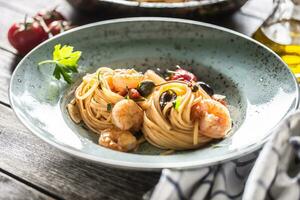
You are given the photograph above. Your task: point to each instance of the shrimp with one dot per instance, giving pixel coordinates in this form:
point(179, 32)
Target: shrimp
point(74, 112)
point(117, 140)
point(126, 79)
point(127, 115)
point(214, 118)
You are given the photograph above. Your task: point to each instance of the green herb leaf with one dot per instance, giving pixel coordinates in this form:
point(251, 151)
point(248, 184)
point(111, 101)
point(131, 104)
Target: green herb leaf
point(109, 107)
point(177, 103)
point(65, 61)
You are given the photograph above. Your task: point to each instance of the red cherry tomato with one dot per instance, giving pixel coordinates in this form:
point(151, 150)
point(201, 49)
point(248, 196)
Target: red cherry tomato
point(50, 16)
point(59, 26)
point(183, 75)
point(134, 94)
point(25, 36)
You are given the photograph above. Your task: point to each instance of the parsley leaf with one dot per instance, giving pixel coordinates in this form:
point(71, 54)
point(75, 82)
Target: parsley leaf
point(65, 61)
point(109, 107)
point(177, 103)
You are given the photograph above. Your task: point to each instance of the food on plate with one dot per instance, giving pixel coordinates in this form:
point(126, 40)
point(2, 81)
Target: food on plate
point(182, 75)
point(127, 115)
point(117, 139)
point(126, 107)
point(179, 118)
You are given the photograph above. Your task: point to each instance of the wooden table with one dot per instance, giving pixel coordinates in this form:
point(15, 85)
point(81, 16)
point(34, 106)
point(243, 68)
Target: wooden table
point(32, 169)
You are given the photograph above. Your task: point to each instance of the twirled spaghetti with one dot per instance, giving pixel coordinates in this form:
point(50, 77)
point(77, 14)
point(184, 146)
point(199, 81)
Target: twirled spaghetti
point(93, 97)
point(173, 115)
point(172, 128)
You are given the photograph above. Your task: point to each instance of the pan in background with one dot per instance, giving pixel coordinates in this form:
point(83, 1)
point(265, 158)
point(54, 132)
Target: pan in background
point(136, 8)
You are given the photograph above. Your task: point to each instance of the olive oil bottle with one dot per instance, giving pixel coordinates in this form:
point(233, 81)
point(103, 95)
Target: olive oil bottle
point(281, 33)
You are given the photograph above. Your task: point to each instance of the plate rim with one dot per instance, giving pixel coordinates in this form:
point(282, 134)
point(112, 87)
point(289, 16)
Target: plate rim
point(165, 5)
point(151, 166)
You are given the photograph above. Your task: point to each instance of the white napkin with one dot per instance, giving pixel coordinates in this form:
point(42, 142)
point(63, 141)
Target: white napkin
point(275, 174)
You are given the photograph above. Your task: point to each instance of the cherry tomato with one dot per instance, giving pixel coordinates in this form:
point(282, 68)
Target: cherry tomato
point(59, 26)
point(134, 94)
point(50, 16)
point(183, 75)
point(25, 36)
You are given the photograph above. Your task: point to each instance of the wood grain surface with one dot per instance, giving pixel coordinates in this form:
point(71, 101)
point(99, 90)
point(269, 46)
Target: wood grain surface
point(32, 169)
point(11, 189)
point(26, 156)
point(8, 61)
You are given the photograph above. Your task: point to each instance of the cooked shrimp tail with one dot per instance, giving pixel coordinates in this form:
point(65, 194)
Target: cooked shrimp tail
point(214, 118)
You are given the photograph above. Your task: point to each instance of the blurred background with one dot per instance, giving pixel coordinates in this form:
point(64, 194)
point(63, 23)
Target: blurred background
point(275, 23)
point(241, 15)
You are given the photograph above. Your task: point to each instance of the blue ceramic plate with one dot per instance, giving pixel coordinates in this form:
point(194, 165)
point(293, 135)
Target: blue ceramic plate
point(260, 88)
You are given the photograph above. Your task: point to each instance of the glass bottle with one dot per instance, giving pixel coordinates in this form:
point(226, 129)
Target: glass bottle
point(281, 33)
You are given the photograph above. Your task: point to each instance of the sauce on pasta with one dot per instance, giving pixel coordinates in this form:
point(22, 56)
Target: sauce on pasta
point(173, 113)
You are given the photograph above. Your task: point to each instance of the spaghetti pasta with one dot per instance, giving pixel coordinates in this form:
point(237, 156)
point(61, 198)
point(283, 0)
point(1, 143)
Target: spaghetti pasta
point(171, 128)
point(172, 116)
point(92, 100)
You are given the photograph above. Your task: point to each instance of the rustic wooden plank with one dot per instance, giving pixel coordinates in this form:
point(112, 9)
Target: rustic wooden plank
point(32, 7)
point(11, 189)
point(8, 62)
point(9, 17)
point(26, 156)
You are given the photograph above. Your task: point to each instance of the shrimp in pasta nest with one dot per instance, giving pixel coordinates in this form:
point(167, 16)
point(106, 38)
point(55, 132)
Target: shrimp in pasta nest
point(214, 118)
point(126, 79)
point(127, 115)
point(117, 139)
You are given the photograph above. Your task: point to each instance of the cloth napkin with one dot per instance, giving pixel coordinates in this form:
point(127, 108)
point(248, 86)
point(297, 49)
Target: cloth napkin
point(272, 173)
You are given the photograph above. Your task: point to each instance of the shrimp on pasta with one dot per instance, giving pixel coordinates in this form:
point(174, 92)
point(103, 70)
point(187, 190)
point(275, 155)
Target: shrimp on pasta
point(126, 107)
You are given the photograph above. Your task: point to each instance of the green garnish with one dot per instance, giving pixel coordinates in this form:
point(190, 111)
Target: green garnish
point(109, 107)
point(65, 61)
point(177, 103)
